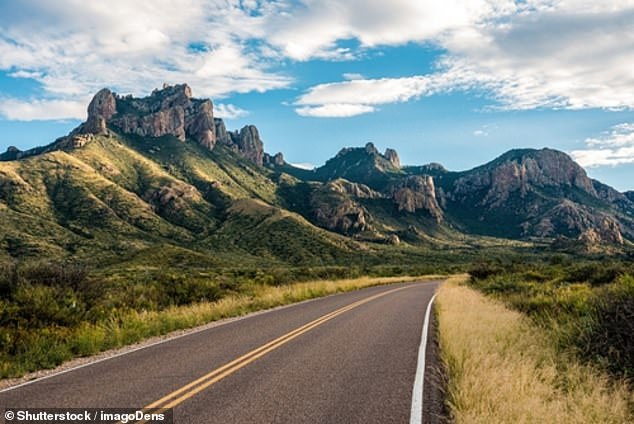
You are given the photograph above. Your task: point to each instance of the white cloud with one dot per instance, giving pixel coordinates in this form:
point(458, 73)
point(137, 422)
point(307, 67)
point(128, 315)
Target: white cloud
point(614, 147)
point(304, 165)
point(353, 76)
point(314, 28)
point(229, 111)
point(20, 110)
point(133, 47)
point(572, 54)
point(522, 54)
point(354, 97)
point(334, 110)
point(480, 133)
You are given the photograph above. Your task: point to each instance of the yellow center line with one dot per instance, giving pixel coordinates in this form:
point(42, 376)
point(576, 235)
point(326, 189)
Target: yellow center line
point(178, 396)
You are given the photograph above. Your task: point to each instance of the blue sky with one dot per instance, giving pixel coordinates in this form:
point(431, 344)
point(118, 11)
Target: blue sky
point(455, 82)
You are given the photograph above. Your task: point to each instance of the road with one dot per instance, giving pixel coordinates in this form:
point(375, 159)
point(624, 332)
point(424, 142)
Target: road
point(348, 358)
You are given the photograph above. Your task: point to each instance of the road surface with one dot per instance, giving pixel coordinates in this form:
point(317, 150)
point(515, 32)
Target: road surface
point(348, 358)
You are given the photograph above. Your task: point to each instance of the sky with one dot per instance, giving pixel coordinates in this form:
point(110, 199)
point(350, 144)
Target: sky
point(448, 81)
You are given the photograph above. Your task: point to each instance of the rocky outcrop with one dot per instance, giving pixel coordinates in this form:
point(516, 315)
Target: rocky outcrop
point(393, 239)
point(333, 206)
point(608, 234)
point(12, 153)
point(392, 157)
point(169, 111)
point(100, 110)
point(416, 193)
point(275, 160)
point(574, 220)
point(247, 142)
point(522, 171)
point(347, 188)
point(222, 136)
point(363, 165)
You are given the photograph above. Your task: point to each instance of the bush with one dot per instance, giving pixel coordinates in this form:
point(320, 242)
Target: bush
point(483, 270)
point(595, 273)
point(609, 339)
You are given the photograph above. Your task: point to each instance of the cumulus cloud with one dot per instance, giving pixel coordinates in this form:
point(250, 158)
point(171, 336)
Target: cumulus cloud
point(614, 147)
point(357, 96)
point(314, 28)
point(572, 54)
point(133, 47)
point(229, 111)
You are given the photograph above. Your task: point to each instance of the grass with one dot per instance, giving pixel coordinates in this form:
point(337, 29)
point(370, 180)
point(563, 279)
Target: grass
point(53, 345)
point(588, 307)
point(503, 368)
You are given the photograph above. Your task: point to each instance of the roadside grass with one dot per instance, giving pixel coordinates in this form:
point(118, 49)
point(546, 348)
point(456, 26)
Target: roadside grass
point(52, 346)
point(503, 368)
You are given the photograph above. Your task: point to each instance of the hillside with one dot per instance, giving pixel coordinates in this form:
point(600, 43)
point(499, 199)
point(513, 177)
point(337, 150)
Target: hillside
point(161, 180)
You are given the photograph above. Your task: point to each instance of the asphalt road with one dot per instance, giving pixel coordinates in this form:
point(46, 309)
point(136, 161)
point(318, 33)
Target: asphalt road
point(349, 358)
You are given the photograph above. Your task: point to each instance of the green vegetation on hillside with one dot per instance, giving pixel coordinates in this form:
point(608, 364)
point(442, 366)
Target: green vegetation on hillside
point(587, 306)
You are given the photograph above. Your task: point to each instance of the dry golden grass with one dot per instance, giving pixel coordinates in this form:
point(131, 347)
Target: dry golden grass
point(261, 297)
point(504, 369)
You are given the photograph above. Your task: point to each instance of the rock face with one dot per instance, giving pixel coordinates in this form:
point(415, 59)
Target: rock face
point(522, 172)
point(171, 111)
point(275, 160)
point(247, 142)
point(573, 220)
point(222, 136)
point(415, 193)
point(357, 190)
point(333, 206)
point(538, 193)
point(100, 110)
point(361, 164)
point(392, 157)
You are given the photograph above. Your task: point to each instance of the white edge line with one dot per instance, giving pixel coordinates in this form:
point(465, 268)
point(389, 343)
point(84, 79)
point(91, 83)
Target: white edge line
point(416, 414)
point(188, 332)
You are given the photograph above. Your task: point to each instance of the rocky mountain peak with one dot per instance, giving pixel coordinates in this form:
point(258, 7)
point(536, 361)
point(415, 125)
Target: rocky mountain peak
point(392, 157)
point(100, 110)
point(524, 171)
point(169, 111)
point(371, 149)
point(361, 164)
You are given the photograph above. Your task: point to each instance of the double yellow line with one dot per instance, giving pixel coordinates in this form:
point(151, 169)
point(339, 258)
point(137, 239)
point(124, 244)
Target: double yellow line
point(200, 384)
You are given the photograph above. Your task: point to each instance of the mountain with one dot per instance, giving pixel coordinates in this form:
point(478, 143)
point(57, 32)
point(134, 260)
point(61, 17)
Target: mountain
point(161, 180)
point(536, 193)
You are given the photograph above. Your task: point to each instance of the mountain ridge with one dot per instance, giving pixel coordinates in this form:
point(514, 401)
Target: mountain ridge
point(162, 170)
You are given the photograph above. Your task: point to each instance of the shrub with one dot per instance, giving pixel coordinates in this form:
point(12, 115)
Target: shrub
point(483, 270)
point(609, 338)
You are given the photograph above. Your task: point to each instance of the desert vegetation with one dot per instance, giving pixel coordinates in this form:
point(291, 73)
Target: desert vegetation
point(51, 312)
point(506, 367)
point(586, 306)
